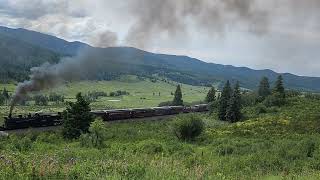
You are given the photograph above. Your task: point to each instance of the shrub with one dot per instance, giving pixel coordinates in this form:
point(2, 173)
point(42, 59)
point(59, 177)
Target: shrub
point(119, 93)
point(54, 97)
point(151, 147)
point(96, 136)
point(213, 106)
point(249, 99)
point(274, 100)
point(188, 127)
point(133, 171)
point(225, 149)
point(313, 96)
point(260, 109)
point(292, 93)
point(49, 137)
point(21, 144)
point(41, 100)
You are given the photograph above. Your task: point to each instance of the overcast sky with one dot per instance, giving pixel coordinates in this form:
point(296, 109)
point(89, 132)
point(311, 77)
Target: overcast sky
point(283, 35)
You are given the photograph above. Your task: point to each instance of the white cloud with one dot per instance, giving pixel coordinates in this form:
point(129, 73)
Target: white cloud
point(286, 38)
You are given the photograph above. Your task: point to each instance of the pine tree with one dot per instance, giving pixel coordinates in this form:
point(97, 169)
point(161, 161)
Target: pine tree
point(76, 118)
point(5, 95)
point(233, 113)
point(279, 88)
point(264, 88)
point(177, 100)
point(223, 101)
point(211, 96)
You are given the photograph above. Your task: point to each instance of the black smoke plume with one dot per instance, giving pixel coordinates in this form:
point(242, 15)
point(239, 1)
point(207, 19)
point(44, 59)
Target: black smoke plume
point(85, 64)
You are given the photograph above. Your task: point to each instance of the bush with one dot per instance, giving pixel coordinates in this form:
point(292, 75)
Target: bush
point(313, 96)
point(260, 109)
point(274, 100)
point(188, 127)
point(96, 136)
point(41, 100)
point(21, 144)
point(119, 93)
point(150, 147)
point(249, 99)
point(292, 93)
point(213, 106)
point(54, 97)
point(225, 149)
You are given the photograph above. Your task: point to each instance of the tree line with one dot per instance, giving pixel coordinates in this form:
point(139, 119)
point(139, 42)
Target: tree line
point(77, 116)
point(232, 99)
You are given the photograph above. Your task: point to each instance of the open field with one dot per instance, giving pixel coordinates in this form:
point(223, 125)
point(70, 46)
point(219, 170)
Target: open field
point(143, 93)
point(283, 144)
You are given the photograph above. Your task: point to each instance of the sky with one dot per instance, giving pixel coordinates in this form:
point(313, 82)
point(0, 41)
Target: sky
point(282, 35)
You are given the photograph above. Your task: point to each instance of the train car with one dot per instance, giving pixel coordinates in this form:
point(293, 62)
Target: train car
point(118, 114)
point(200, 108)
point(162, 111)
point(187, 109)
point(100, 113)
point(176, 109)
point(142, 112)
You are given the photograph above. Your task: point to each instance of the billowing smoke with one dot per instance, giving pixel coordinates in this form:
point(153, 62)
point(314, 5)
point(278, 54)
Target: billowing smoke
point(86, 64)
point(215, 16)
point(104, 39)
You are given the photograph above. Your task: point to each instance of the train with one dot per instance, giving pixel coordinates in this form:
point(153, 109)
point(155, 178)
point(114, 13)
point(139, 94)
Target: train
point(55, 119)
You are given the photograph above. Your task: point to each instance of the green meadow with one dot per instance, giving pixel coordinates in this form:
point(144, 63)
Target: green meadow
point(283, 143)
point(142, 93)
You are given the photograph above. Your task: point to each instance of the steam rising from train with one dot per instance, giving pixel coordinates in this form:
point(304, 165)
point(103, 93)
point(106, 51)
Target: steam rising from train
point(69, 69)
point(172, 18)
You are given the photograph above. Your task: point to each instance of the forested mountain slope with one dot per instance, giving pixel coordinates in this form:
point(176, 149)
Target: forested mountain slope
point(21, 49)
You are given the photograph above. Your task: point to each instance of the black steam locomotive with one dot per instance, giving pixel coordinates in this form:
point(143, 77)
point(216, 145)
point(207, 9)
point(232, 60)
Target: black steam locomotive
point(55, 119)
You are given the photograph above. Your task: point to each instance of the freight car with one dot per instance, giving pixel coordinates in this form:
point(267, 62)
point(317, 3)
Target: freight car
point(55, 119)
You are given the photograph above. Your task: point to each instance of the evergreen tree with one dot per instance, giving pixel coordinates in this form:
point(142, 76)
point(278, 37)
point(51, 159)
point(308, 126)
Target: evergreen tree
point(233, 113)
point(264, 88)
point(177, 100)
point(223, 101)
point(2, 99)
point(211, 96)
point(279, 88)
point(5, 93)
point(77, 118)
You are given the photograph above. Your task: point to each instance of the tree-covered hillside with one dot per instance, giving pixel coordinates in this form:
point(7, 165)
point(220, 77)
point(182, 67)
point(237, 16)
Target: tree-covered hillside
point(117, 61)
point(17, 57)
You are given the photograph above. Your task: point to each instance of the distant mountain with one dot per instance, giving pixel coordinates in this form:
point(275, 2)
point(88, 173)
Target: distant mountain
point(21, 47)
point(17, 57)
point(43, 40)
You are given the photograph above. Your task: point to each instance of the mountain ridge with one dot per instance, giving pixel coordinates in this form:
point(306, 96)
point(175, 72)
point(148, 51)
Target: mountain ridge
point(182, 69)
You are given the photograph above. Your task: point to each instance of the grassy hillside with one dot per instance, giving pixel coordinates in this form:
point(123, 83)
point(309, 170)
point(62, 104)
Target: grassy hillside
point(279, 145)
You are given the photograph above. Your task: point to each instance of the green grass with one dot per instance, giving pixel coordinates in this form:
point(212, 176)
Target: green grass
point(278, 145)
point(141, 94)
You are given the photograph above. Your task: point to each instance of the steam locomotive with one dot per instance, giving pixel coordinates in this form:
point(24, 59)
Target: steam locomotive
point(55, 119)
